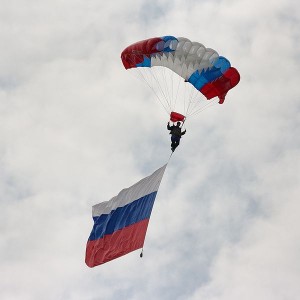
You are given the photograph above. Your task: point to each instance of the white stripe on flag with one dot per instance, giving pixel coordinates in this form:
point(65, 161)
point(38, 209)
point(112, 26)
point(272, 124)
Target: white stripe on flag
point(142, 188)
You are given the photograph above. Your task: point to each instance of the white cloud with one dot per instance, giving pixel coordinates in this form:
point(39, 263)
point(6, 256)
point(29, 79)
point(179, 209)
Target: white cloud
point(76, 128)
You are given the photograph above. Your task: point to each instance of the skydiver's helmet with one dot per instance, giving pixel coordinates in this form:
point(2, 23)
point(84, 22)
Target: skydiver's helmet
point(178, 124)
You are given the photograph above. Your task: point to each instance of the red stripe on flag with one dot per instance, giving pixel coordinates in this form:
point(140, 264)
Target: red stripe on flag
point(117, 244)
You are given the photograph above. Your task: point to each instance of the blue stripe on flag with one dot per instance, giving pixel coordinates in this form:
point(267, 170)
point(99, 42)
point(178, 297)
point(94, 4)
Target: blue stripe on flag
point(121, 217)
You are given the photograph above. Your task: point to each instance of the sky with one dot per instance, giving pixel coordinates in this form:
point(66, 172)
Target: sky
point(76, 128)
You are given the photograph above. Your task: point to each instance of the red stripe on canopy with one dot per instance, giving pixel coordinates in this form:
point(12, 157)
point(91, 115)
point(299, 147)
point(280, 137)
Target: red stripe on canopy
point(134, 54)
point(221, 85)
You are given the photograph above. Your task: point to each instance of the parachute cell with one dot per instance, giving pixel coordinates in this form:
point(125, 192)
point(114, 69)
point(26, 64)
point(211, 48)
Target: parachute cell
point(221, 85)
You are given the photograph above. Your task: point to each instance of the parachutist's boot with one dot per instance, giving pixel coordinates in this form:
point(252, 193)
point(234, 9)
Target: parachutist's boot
point(173, 147)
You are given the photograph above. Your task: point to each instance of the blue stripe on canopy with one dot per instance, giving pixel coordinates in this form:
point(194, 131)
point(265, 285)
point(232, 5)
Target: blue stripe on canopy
point(199, 79)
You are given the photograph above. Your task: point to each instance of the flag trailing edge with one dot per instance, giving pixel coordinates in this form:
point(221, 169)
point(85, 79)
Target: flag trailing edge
point(120, 224)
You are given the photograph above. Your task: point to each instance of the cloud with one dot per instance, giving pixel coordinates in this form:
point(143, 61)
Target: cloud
point(76, 128)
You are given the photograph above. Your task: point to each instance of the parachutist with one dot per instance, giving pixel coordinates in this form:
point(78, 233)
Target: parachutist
point(176, 135)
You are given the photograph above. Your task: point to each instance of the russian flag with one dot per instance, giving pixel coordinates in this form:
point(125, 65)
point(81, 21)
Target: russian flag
point(120, 224)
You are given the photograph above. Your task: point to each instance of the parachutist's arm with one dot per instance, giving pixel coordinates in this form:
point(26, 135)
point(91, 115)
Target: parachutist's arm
point(168, 126)
point(183, 132)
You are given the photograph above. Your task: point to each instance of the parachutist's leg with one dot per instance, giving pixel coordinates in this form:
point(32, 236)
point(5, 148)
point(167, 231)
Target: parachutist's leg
point(173, 144)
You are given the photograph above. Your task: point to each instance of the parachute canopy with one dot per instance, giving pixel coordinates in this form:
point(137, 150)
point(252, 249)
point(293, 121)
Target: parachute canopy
point(199, 66)
point(120, 224)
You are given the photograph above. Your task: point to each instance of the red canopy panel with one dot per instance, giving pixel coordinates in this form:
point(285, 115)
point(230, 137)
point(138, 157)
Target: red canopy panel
point(134, 54)
point(221, 85)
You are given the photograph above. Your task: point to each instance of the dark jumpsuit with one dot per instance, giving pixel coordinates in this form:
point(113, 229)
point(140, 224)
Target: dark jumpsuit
point(176, 134)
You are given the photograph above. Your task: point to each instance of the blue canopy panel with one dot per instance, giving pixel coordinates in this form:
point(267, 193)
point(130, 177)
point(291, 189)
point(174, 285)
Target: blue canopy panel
point(145, 63)
point(199, 79)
